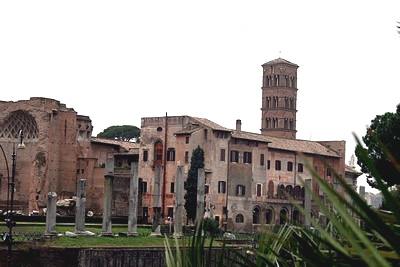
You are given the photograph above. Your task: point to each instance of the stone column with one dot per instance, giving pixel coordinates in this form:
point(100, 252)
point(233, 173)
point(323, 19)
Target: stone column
point(179, 190)
point(157, 202)
point(80, 207)
point(307, 203)
point(200, 194)
point(51, 214)
point(133, 200)
point(108, 189)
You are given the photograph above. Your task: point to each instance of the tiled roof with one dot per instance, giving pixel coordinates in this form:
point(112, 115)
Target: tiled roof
point(303, 146)
point(211, 124)
point(279, 60)
point(125, 145)
point(250, 136)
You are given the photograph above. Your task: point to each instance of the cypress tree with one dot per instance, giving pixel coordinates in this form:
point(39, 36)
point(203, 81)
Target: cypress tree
point(196, 162)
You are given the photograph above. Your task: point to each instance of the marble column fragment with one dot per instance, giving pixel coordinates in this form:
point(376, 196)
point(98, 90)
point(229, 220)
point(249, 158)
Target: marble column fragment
point(157, 202)
point(51, 214)
point(200, 194)
point(307, 204)
point(80, 210)
point(178, 219)
point(108, 189)
point(133, 200)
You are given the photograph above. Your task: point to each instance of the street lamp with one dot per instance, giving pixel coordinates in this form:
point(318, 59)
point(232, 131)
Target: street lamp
point(7, 237)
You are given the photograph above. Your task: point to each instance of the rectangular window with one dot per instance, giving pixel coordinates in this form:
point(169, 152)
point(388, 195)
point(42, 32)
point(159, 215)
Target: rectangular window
point(144, 187)
point(234, 156)
point(240, 190)
point(186, 156)
point(171, 154)
point(300, 167)
point(206, 189)
point(290, 166)
point(145, 155)
point(222, 154)
point(247, 157)
point(171, 212)
point(172, 187)
point(145, 212)
point(277, 165)
point(187, 140)
point(328, 172)
point(268, 164)
point(221, 187)
point(259, 190)
point(262, 160)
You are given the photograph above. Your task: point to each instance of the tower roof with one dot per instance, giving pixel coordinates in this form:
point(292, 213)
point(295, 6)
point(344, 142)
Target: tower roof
point(280, 60)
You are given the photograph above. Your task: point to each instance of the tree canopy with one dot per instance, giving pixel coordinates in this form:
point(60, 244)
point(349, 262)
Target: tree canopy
point(122, 133)
point(384, 133)
point(196, 162)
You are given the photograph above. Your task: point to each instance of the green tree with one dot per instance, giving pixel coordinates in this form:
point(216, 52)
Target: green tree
point(196, 162)
point(384, 132)
point(122, 133)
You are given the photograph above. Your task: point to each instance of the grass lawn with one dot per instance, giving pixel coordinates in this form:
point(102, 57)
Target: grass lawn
point(37, 229)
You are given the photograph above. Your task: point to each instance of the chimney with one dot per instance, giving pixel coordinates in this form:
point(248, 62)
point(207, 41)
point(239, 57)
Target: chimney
point(238, 125)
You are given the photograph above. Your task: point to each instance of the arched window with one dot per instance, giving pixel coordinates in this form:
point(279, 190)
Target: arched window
point(269, 216)
point(158, 153)
point(239, 218)
point(289, 190)
point(297, 191)
point(270, 188)
point(296, 217)
point(283, 216)
point(281, 190)
point(256, 215)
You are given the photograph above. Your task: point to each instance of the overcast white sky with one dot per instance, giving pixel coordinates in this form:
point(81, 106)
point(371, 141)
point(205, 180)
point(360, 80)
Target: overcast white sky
point(118, 61)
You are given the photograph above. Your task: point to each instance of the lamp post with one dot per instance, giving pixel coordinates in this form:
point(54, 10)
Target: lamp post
point(10, 200)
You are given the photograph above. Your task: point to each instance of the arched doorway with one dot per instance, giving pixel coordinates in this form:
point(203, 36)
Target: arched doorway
point(283, 216)
point(296, 217)
point(256, 215)
point(269, 216)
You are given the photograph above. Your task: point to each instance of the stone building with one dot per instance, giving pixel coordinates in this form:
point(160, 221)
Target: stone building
point(249, 177)
point(59, 150)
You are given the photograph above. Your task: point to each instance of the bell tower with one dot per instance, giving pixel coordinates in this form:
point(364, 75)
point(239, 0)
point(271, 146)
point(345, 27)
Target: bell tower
point(279, 96)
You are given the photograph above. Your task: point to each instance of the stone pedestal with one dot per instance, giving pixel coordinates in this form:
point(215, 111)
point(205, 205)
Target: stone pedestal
point(80, 207)
point(178, 214)
point(133, 200)
point(200, 195)
point(108, 189)
point(157, 202)
point(51, 215)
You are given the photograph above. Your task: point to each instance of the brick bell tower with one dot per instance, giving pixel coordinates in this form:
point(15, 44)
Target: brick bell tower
point(279, 95)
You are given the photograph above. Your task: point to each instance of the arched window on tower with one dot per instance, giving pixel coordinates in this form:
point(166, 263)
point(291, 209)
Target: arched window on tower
point(268, 123)
point(286, 102)
point(276, 80)
point(268, 102)
point(286, 123)
point(291, 82)
point(286, 80)
point(269, 81)
point(291, 104)
point(158, 153)
point(275, 101)
point(291, 127)
point(275, 123)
